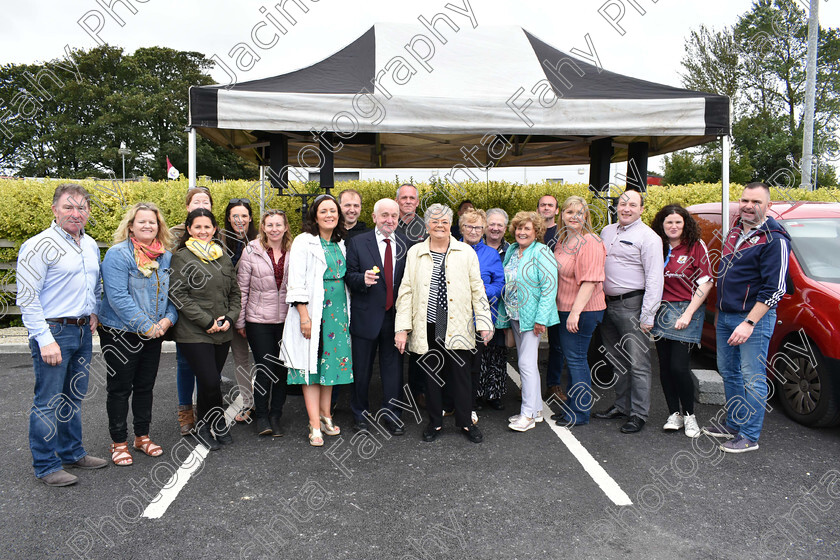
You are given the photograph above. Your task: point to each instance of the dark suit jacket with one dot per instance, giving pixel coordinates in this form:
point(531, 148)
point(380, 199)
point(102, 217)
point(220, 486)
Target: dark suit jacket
point(367, 303)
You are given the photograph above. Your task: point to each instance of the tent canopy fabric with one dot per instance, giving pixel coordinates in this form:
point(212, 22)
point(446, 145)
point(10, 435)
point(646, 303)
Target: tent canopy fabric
point(408, 95)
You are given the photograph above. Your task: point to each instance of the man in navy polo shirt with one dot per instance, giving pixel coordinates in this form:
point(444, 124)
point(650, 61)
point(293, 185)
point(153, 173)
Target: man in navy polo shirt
point(751, 281)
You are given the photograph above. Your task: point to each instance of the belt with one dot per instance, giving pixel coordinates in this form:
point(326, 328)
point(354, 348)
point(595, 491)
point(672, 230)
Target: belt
point(634, 293)
point(78, 321)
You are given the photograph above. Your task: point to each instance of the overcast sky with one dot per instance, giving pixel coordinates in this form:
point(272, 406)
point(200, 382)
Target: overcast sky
point(648, 46)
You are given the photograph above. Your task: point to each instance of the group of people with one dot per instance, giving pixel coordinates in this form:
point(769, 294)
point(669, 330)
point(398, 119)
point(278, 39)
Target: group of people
point(316, 308)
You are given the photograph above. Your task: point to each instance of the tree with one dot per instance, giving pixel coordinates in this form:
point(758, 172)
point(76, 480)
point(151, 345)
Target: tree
point(70, 119)
point(759, 62)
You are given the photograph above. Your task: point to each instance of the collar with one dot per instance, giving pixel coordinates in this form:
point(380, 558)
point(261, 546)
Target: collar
point(60, 230)
point(380, 237)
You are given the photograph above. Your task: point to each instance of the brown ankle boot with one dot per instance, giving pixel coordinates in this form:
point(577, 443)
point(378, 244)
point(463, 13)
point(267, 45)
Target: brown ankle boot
point(186, 419)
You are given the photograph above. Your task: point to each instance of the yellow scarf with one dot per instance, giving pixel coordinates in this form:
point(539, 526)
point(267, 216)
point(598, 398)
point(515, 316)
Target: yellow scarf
point(205, 251)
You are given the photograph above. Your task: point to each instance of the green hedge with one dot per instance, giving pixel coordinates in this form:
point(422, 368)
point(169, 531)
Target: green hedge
point(26, 203)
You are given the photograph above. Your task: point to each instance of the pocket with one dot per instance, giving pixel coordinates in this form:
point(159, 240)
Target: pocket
point(56, 328)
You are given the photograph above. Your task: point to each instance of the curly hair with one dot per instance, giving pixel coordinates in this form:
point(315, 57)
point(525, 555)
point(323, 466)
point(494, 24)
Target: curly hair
point(690, 233)
point(533, 217)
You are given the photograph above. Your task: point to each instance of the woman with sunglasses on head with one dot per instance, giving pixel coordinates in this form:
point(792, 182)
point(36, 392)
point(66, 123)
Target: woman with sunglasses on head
point(679, 321)
point(198, 197)
point(239, 231)
point(316, 339)
point(134, 316)
point(205, 291)
point(262, 274)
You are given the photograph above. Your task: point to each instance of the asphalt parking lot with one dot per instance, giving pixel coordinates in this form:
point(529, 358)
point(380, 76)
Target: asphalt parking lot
point(515, 496)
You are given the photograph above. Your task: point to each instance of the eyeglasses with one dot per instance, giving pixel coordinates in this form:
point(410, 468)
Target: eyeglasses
point(472, 228)
point(240, 201)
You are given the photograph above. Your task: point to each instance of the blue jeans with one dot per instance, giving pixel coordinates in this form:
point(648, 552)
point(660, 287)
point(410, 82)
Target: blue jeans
point(744, 372)
point(55, 420)
point(184, 377)
point(575, 347)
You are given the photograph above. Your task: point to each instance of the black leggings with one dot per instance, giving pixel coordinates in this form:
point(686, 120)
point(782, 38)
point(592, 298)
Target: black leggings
point(207, 361)
point(675, 375)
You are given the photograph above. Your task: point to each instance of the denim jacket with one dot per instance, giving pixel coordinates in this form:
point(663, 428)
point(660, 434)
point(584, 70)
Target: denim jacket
point(130, 301)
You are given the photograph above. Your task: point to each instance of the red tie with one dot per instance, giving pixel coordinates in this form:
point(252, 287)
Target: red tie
point(389, 276)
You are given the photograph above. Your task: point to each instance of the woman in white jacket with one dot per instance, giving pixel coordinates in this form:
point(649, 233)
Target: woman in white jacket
point(316, 340)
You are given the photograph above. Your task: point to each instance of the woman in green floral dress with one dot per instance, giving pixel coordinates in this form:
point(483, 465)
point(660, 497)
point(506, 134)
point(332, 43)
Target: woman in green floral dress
point(316, 341)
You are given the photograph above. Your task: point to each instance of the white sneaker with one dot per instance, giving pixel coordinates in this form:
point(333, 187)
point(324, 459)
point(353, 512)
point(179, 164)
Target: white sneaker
point(692, 430)
point(675, 422)
point(514, 418)
point(522, 424)
point(539, 417)
point(474, 417)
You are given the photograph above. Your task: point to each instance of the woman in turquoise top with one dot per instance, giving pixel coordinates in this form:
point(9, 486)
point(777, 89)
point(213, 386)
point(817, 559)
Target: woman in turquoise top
point(316, 339)
point(528, 307)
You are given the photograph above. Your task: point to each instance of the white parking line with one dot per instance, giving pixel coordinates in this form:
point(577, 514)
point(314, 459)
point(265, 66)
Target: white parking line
point(195, 460)
point(604, 481)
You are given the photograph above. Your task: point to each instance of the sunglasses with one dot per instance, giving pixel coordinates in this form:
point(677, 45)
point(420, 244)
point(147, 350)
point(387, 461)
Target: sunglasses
point(240, 201)
point(274, 213)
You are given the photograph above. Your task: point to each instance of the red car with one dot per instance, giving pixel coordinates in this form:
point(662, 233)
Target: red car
point(804, 355)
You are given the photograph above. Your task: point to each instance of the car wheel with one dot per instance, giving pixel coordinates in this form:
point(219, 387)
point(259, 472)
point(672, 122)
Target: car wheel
point(807, 394)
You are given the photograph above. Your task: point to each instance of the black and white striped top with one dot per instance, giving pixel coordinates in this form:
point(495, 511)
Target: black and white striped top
point(435, 288)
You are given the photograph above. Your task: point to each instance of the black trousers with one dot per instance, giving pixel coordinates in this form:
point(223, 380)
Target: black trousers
point(475, 376)
point(390, 368)
point(450, 368)
point(207, 361)
point(270, 374)
point(132, 363)
point(675, 375)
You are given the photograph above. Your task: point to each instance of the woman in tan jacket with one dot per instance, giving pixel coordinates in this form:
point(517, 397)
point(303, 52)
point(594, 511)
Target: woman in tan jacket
point(440, 306)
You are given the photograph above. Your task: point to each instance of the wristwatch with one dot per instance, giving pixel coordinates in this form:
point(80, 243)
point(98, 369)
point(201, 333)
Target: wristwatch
point(750, 322)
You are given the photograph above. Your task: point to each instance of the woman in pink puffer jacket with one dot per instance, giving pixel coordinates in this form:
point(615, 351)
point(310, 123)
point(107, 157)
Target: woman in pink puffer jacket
point(262, 272)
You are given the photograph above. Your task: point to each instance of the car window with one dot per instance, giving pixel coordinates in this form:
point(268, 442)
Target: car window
point(816, 244)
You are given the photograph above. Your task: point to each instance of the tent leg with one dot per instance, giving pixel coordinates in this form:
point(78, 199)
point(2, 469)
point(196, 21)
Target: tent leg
point(191, 149)
point(327, 162)
point(278, 158)
point(637, 166)
point(600, 154)
point(724, 205)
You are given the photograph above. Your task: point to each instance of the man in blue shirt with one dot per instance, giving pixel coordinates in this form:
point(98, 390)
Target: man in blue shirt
point(58, 294)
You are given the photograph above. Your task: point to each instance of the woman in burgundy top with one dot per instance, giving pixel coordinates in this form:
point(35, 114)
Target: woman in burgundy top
point(262, 276)
point(679, 321)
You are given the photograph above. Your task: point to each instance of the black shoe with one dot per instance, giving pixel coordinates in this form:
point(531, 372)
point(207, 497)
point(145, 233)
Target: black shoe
point(361, 426)
point(558, 417)
point(276, 428)
point(431, 433)
point(635, 424)
point(206, 438)
point(473, 433)
point(394, 428)
point(263, 427)
point(610, 414)
point(496, 404)
point(224, 437)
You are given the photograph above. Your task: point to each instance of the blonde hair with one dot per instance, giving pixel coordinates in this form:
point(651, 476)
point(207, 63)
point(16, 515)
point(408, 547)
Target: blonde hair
point(286, 242)
point(533, 217)
point(122, 233)
point(472, 215)
point(574, 200)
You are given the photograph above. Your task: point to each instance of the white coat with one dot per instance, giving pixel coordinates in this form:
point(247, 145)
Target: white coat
point(305, 284)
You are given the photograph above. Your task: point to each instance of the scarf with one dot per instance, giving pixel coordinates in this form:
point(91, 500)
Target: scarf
point(146, 255)
point(206, 252)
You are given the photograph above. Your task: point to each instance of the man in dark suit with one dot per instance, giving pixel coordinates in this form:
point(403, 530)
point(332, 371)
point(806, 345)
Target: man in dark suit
point(375, 267)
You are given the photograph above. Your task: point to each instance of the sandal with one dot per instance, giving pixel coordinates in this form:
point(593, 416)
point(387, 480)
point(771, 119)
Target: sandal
point(315, 437)
point(244, 416)
point(147, 446)
point(328, 427)
point(120, 455)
